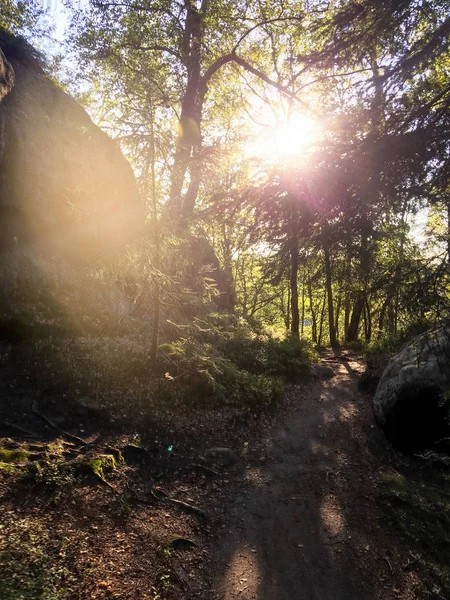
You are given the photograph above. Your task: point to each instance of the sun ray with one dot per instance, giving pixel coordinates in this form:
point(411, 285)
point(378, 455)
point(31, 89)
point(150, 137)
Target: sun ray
point(286, 142)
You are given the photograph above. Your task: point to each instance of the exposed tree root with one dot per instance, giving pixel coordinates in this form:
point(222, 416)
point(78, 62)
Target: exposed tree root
point(66, 434)
point(18, 428)
point(189, 508)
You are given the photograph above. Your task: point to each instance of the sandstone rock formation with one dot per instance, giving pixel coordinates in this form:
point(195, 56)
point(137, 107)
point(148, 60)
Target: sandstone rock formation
point(412, 399)
point(68, 198)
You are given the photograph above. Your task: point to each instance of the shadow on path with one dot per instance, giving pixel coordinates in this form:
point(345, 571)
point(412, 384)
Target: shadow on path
point(302, 524)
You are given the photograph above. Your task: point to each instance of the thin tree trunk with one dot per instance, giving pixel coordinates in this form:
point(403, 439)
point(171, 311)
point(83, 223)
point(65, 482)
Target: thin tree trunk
point(288, 309)
point(228, 268)
point(157, 299)
point(347, 301)
point(313, 312)
point(448, 231)
point(347, 308)
point(295, 323)
point(338, 312)
point(397, 272)
point(322, 315)
point(303, 306)
point(382, 316)
point(391, 318)
point(329, 288)
point(368, 322)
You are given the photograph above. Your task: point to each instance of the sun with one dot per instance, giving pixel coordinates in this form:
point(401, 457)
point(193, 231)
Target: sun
point(286, 142)
point(294, 137)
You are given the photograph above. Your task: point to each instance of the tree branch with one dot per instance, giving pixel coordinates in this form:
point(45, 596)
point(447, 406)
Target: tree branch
point(232, 57)
point(281, 88)
point(156, 47)
point(261, 24)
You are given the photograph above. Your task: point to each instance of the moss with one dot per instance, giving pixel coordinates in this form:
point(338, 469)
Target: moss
point(55, 447)
point(13, 456)
point(395, 480)
point(6, 467)
point(100, 464)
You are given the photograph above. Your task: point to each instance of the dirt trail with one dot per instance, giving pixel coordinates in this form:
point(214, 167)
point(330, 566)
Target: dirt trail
point(302, 521)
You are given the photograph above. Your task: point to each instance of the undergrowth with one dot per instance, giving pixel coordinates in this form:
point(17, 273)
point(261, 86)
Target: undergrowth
point(380, 351)
point(36, 559)
point(420, 510)
point(221, 360)
point(212, 362)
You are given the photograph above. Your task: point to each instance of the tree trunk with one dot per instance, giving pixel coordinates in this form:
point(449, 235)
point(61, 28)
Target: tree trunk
point(347, 308)
point(295, 322)
point(448, 231)
point(353, 328)
point(367, 322)
point(338, 312)
point(391, 318)
point(329, 288)
point(366, 222)
point(288, 308)
point(322, 315)
point(228, 267)
point(382, 316)
point(313, 312)
point(360, 300)
point(154, 204)
point(347, 300)
point(303, 306)
point(189, 134)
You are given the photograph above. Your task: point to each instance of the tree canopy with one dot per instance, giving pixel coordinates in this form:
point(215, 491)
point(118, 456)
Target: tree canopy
point(297, 143)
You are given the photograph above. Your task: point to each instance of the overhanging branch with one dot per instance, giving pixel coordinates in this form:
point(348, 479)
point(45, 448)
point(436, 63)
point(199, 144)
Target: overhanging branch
point(232, 57)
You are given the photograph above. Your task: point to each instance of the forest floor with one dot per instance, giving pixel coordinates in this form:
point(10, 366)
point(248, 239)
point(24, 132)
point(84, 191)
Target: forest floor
point(301, 514)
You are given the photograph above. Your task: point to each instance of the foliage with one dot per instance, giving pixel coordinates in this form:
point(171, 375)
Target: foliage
point(226, 361)
point(20, 17)
point(420, 511)
point(378, 352)
point(199, 373)
point(240, 249)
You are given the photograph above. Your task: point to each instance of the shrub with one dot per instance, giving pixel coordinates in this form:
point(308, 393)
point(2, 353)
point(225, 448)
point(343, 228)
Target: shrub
point(290, 358)
point(379, 352)
point(198, 372)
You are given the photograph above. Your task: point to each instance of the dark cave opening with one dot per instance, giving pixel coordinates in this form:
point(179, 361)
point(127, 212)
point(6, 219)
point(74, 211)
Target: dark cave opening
point(420, 419)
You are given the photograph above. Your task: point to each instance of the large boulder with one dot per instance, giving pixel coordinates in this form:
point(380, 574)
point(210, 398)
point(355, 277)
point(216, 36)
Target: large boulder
point(412, 399)
point(6, 75)
point(68, 197)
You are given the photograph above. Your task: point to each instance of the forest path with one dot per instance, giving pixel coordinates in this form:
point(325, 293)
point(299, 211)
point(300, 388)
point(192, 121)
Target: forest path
point(302, 521)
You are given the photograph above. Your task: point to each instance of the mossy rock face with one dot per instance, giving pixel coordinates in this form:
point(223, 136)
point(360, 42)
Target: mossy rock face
point(411, 403)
